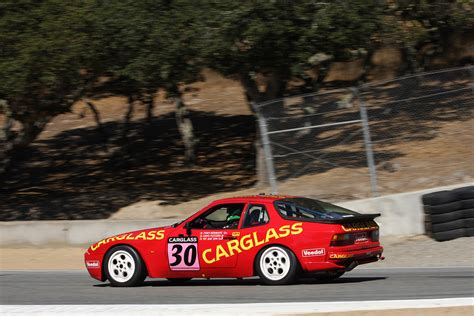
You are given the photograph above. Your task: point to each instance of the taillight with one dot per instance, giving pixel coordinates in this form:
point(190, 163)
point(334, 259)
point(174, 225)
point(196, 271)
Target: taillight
point(375, 235)
point(342, 240)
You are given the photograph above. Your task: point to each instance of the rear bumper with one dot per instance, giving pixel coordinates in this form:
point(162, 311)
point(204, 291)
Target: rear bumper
point(345, 260)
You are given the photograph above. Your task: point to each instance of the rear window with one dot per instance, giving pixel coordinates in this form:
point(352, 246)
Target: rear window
point(304, 208)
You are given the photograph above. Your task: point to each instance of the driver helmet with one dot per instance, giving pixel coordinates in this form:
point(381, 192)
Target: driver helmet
point(234, 215)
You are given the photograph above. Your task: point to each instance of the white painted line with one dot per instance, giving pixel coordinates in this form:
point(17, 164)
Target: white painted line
point(231, 309)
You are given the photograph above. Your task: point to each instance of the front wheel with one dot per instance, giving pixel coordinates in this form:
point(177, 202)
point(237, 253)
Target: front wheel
point(124, 267)
point(276, 265)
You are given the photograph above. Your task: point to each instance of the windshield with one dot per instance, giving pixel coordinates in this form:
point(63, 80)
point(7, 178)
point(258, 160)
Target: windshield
point(311, 209)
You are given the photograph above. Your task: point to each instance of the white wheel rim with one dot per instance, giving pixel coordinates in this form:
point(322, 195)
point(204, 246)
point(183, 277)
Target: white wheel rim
point(121, 266)
point(275, 263)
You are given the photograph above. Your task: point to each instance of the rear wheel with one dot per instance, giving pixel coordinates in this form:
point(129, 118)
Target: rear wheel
point(124, 267)
point(276, 265)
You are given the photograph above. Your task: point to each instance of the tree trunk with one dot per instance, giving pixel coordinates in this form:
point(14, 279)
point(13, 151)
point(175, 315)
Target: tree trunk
point(128, 117)
point(5, 136)
point(98, 122)
point(150, 104)
point(185, 127)
point(276, 86)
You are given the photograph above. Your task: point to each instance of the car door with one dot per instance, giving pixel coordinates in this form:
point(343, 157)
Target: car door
point(207, 241)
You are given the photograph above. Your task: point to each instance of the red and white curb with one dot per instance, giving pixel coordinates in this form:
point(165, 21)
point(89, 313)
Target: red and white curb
point(232, 309)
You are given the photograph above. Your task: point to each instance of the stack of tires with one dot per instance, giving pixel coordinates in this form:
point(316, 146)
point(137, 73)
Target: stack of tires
point(449, 214)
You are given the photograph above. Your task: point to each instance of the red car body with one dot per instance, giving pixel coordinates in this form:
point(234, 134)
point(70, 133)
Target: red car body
point(182, 252)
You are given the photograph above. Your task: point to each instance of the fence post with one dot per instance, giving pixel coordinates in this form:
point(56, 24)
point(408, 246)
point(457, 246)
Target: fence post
point(267, 150)
point(368, 142)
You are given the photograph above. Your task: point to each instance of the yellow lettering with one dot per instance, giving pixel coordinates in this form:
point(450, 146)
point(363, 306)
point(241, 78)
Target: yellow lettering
point(233, 245)
point(296, 228)
point(121, 237)
point(94, 247)
point(220, 252)
point(271, 233)
point(204, 257)
point(110, 239)
point(257, 242)
point(246, 242)
point(129, 237)
point(142, 235)
point(160, 234)
point(151, 235)
point(284, 230)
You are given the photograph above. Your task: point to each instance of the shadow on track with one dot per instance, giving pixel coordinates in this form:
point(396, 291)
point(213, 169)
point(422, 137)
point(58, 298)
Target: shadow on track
point(246, 282)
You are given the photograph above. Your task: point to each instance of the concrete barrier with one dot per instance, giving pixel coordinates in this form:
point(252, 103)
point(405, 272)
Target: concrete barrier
point(402, 215)
point(80, 232)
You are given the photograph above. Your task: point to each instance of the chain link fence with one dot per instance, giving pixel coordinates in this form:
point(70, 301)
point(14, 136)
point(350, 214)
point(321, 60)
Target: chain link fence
point(394, 136)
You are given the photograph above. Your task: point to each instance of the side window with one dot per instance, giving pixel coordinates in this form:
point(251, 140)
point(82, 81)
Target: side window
point(256, 215)
point(223, 216)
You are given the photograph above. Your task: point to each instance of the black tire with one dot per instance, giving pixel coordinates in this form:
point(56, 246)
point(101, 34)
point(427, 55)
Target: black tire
point(448, 217)
point(470, 232)
point(428, 226)
point(133, 270)
point(443, 208)
point(179, 280)
point(465, 193)
point(271, 263)
point(441, 197)
point(449, 235)
point(328, 276)
point(467, 204)
point(460, 223)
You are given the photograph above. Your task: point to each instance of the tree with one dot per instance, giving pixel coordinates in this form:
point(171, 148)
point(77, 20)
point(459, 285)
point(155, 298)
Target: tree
point(43, 53)
point(280, 40)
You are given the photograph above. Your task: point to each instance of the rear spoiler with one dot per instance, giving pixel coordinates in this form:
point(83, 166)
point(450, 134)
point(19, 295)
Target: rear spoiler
point(355, 218)
point(350, 219)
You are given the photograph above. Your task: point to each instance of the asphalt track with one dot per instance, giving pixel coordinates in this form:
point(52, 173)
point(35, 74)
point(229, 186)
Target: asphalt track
point(59, 287)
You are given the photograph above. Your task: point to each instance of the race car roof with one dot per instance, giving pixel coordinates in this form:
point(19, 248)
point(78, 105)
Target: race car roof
point(260, 197)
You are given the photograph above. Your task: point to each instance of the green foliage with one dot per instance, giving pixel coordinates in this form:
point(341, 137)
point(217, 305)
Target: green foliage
point(260, 36)
point(43, 47)
point(52, 52)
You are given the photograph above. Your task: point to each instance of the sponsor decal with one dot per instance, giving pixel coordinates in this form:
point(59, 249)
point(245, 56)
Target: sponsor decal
point(213, 235)
point(249, 241)
point(92, 263)
point(183, 253)
point(315, 252)
point(235, 234)
point(360, 226)
point(150, 235)
point(339, 256)
point(361, 238)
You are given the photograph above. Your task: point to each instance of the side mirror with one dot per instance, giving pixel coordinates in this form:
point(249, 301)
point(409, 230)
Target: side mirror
point(188, 228)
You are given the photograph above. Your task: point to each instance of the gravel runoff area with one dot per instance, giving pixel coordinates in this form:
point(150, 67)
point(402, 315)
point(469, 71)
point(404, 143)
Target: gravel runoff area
point(416, 251)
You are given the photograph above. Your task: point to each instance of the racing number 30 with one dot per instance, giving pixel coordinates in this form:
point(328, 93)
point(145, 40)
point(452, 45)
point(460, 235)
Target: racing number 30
point(182, 254)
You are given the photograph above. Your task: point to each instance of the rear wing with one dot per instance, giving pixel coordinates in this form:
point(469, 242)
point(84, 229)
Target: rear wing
point(353, 218)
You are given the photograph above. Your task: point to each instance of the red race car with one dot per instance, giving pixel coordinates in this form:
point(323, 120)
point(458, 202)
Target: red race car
point(274, 237)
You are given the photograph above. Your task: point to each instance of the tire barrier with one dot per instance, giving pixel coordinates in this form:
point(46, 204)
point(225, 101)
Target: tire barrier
point(449, 214)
